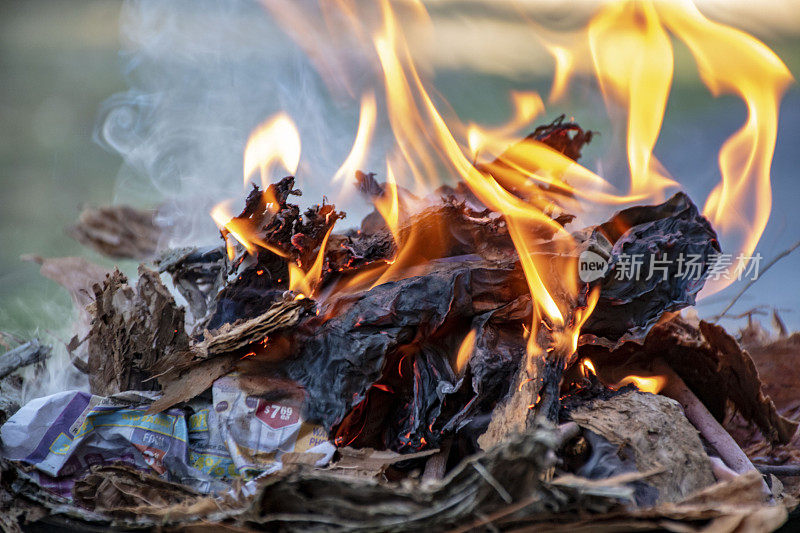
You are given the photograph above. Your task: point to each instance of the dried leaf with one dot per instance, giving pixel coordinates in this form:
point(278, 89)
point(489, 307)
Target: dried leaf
point(746, 389)
point(366, 462)
point(231, 337)
point(777, 366)
point(119, 231)
point(656, 430)
point(120, 487)
point(131, 331)
point(711, 363)
point(183, 383)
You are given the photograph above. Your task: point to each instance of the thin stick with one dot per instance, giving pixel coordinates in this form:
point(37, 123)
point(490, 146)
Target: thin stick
point(750, 283)
point(780, 470)
point(503, 512)
point(567, 432)
point(27, 354)
point(437, 463)
point(704, 421)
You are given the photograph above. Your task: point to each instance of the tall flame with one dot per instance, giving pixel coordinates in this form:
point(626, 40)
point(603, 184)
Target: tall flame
point(388, 205)
point(305, 283)
point(731, 61)
point(565, 62)
point(366, 125)
point(633, 62)
point(275, 141)
point(628, 44)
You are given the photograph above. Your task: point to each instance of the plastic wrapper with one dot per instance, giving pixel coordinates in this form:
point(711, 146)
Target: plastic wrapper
point(64, 435)
point(257, 431)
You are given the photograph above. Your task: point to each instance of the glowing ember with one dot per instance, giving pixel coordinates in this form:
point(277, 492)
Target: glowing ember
point(587, 368)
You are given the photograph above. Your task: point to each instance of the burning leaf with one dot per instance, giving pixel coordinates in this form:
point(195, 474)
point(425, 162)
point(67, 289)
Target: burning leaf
point(366, 335)
point(711, 363)
point(659, 237)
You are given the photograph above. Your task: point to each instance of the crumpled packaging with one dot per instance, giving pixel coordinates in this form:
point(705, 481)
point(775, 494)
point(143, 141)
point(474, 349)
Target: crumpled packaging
point(258, 431)
point(240, 436)
point(63, 435)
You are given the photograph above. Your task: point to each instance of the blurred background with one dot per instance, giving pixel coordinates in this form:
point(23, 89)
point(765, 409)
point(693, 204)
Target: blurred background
point(192, 78)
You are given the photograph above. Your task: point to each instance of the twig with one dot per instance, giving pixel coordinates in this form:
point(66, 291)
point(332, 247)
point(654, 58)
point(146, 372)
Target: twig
point(502, 513)
point(490, 479)
point(26, 354)
point(567, 431)
point(750, 283)
point(779, 470)
point(437, 463)
point(704, 421)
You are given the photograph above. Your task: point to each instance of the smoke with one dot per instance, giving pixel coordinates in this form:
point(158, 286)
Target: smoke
point(202, 75)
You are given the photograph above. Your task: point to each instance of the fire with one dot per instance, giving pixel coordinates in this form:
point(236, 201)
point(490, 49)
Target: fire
point(366, 126)
point(389, 205)
point(231, 227)
point(305, 283)
point(274, 141)
point(587, 368)
point(222, 216)
point(582, 314)
point(633, 63)
point(465, 351)
point(527, 106)
point(565, 61)
point(629, 48)
point(651, 384)
point(731, 61)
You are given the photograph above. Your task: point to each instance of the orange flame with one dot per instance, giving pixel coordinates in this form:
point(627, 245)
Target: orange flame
point(651, 384)
point(388, 205)
point(222, 216)
point(587, 368)
point(633, 62)
point(366, 125)
point(276, 140)
point(305, 283)
point(582, 314)
point(565, 61)
point(631, 55)
point(731, 61)
point(465, 351)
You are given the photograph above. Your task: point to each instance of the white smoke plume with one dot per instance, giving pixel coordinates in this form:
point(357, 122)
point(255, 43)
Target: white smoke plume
point(202, 75)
